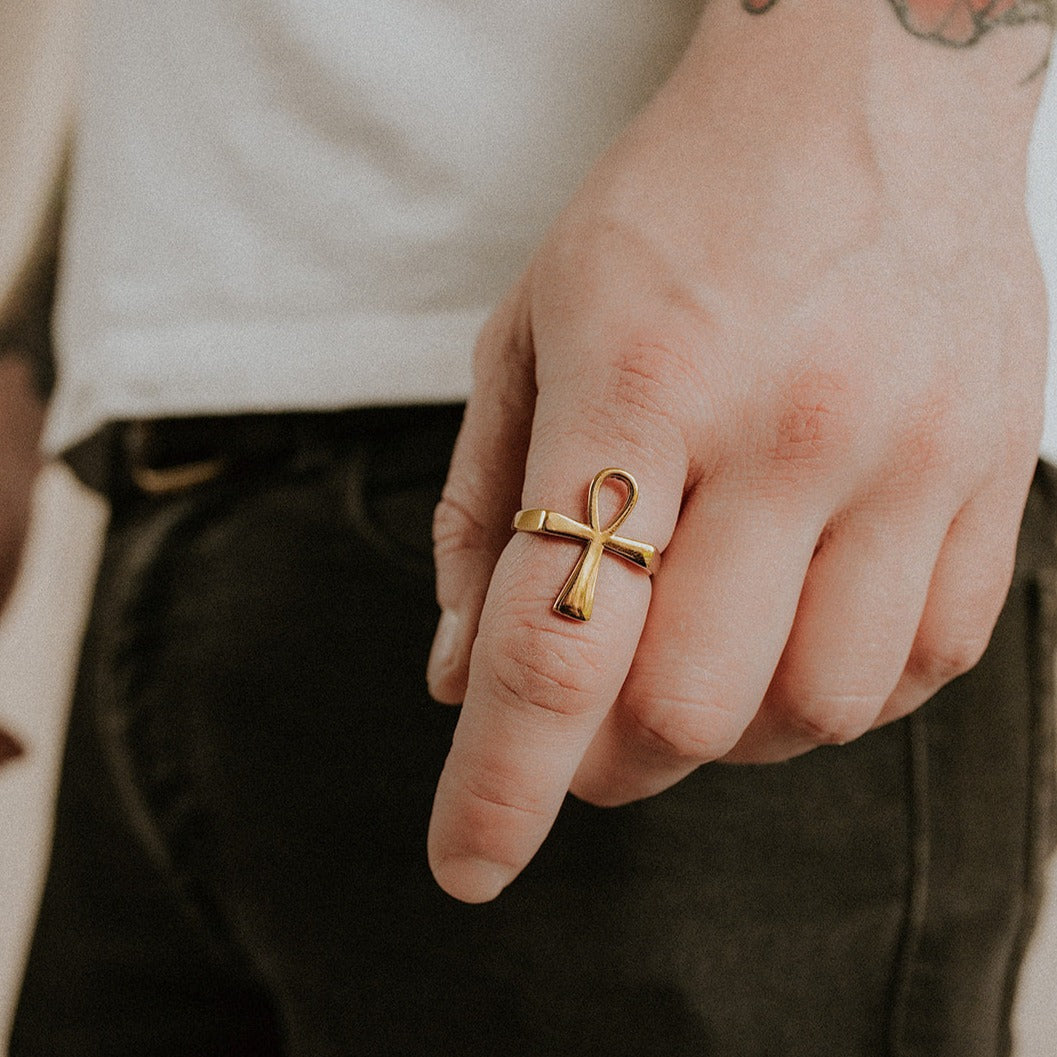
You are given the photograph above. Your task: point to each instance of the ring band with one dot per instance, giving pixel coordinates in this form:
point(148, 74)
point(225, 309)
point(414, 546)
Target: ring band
point(576, 599)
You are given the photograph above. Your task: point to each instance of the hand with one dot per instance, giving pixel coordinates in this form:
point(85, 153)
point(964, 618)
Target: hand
point(21, 414)
point(799, 302)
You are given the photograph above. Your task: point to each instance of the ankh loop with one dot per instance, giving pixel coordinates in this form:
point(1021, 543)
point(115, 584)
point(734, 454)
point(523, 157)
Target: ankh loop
point(578, 595)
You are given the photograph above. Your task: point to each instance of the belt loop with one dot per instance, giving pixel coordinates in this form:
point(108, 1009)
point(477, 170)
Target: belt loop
point(164, 480)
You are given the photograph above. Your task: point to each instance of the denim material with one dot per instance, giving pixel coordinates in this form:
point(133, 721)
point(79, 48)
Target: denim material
point(239, 862)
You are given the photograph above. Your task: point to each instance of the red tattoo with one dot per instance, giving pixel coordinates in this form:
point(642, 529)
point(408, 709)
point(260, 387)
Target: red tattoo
point(956, 22)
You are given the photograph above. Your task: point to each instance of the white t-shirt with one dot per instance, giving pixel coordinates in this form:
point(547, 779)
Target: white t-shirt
point(314, 204)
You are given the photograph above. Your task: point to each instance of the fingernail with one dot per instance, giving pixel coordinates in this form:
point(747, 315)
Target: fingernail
point(471, 880)
point(445, 643)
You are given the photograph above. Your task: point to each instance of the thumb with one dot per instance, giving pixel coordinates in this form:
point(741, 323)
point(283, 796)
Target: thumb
point(471, 525)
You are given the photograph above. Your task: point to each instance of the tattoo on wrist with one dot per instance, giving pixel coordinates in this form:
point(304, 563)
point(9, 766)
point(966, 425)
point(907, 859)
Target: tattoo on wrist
point(958, 23)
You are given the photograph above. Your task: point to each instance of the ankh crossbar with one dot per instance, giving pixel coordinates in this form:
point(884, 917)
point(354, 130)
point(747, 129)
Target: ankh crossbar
point(577, 596)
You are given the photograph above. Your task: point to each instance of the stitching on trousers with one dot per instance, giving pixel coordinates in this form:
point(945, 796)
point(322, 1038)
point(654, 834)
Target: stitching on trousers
point(160, 805)
point(919, 847)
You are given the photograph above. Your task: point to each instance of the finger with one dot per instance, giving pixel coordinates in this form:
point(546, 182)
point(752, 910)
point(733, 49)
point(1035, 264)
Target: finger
point(858, 613)
point(724, 602)
point(969, 586)
point(539, 683)
point(472, 521)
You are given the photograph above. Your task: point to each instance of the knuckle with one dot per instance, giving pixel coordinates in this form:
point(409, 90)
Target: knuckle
point(499, 798)
point(834, 718)
point(687, 730)
point(649, 374)
point(494, 813)
point(645, 396)
point(542, 670)
point(812, 425)
point(457, 525)
point(954, 639)
point(939, 660)
point(928, 444)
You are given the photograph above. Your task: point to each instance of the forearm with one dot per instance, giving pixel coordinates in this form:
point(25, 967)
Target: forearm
point(840, 64)
point(828, 120)
point(26, 376)
point(38, 51)
point(881, 65)
point(25, 312)
point(958, 23)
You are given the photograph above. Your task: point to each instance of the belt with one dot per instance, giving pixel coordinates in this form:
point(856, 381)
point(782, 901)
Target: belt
point(162, 457)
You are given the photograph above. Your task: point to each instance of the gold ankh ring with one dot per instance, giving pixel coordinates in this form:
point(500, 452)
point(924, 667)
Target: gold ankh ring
point(577, 596)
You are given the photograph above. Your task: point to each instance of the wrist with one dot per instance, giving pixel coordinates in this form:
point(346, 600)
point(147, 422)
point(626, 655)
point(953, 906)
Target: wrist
point(830, 64)
point(829, 98)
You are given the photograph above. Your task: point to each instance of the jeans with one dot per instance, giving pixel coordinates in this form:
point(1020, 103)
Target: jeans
point(239, 860)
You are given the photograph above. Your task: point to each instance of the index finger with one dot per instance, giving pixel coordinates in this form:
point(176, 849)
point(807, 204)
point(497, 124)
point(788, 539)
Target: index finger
point(540, 683)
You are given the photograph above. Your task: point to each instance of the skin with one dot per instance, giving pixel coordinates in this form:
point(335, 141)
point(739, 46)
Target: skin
point(954, 22)
point(37, 70)
point(799, 302)
point(25, 378)
point(21, 414)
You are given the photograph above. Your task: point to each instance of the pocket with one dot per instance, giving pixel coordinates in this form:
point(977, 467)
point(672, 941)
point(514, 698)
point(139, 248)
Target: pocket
point(393, 483)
